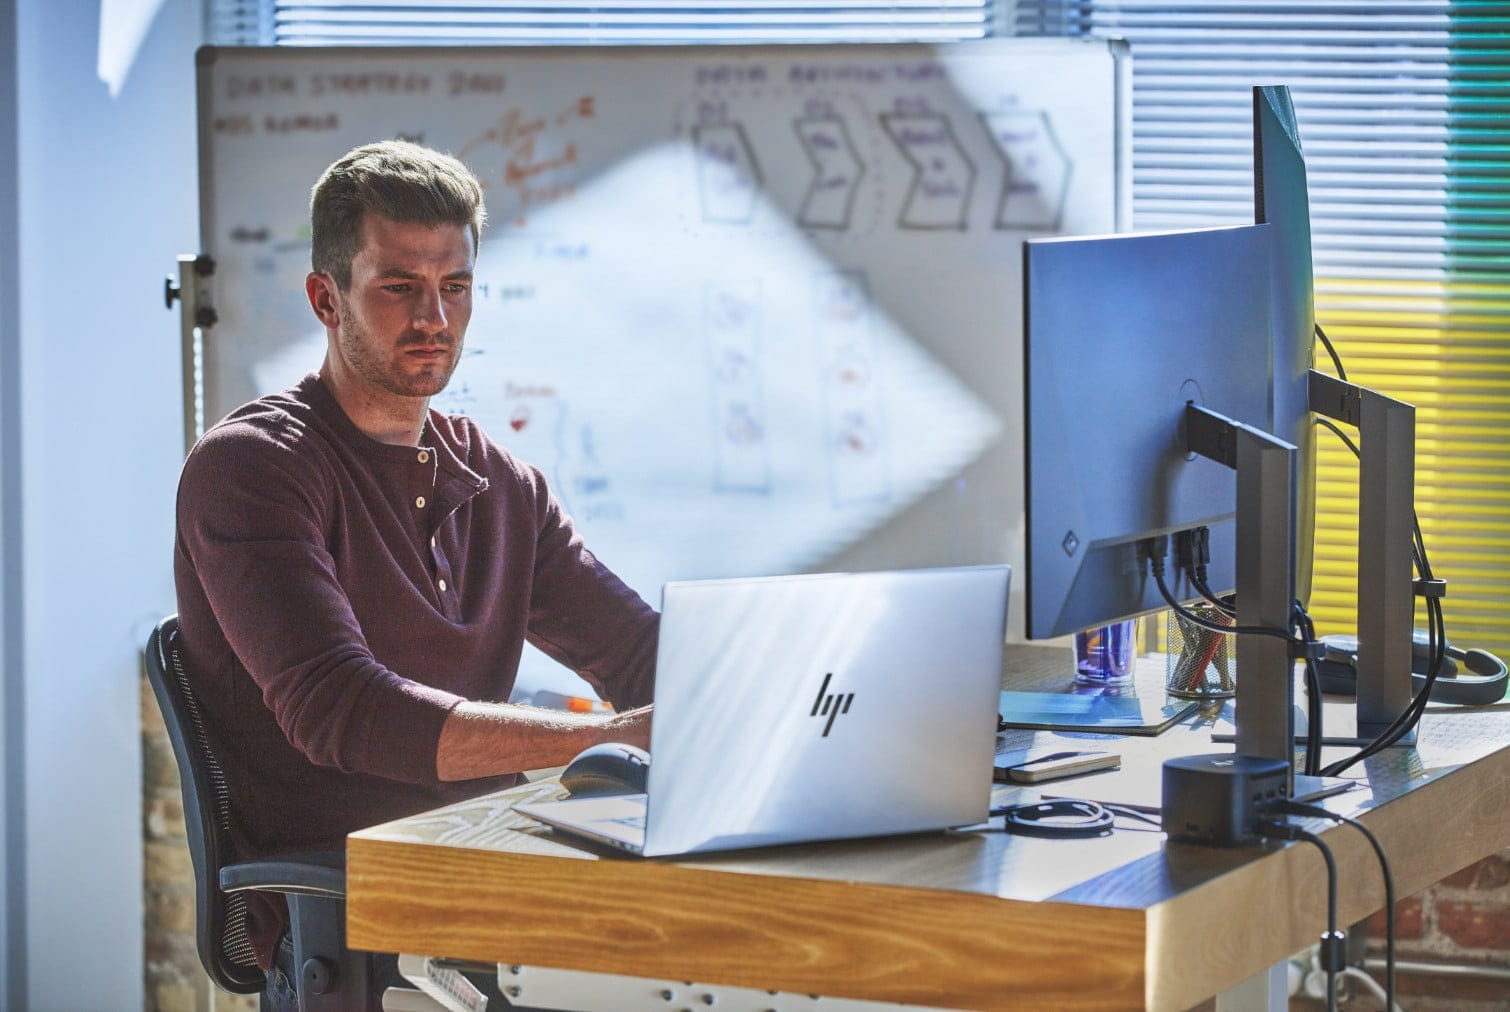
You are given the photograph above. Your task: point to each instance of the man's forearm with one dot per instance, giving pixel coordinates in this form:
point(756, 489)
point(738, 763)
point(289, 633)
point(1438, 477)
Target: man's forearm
point(488, 739)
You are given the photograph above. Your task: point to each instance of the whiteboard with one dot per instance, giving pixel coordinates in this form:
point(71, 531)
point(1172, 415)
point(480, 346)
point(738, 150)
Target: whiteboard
point(751, 310)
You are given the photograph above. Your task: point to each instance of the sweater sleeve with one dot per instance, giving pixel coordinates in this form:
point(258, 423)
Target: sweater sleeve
point(584, 616)
point(256, 545)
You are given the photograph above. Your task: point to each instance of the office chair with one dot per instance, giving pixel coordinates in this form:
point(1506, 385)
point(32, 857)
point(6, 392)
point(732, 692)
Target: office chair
point(330, 977)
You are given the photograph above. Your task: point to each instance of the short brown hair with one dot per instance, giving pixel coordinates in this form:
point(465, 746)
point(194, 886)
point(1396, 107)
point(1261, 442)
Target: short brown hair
point(397, 180)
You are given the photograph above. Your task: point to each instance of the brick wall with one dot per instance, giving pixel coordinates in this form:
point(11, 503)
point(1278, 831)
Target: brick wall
point(1464, 919)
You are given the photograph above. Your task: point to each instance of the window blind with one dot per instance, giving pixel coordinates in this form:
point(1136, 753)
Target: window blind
point(579, 22)
point(1404, 114)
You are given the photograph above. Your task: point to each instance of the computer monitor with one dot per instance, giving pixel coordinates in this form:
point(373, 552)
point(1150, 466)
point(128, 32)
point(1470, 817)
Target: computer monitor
point(1280, 200)
point(1121, 332)
point(1385, 600)
point(1148, 411)
point(1145, 307)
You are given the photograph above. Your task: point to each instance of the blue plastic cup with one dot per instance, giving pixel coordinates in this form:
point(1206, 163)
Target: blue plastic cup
point(1106, 656)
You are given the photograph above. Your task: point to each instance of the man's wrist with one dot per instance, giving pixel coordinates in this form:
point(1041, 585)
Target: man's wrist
point(491, 739)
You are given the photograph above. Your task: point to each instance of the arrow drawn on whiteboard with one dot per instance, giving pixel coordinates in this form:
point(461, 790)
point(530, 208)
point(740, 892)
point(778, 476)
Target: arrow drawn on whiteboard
point(943, 174)
point(837, 171)
point(728, 177)
point(1037, 176)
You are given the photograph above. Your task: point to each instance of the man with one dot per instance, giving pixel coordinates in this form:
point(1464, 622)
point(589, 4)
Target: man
point(357, 574)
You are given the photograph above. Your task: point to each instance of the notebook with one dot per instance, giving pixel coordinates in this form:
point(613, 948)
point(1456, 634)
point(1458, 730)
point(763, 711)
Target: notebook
point(1103, 711)
point(815, 707)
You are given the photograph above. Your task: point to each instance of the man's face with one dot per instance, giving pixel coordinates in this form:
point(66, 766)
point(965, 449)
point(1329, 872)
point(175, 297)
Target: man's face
point(403, 319)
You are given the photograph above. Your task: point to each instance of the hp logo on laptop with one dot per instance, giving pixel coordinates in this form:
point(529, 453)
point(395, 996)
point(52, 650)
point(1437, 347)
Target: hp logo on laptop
point(830, 704)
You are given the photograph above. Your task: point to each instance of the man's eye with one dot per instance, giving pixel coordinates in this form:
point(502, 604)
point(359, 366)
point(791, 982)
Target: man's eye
point(396, 288)
point(457, 287)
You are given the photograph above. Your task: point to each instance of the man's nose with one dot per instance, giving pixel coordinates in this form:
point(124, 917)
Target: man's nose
point(429, 315)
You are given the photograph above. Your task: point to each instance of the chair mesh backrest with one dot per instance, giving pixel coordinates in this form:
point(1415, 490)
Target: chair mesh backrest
point(224, 947)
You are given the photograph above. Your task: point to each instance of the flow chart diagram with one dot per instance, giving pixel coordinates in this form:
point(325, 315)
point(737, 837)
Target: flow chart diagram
point(728, 176)
point(943, 175)
point(853, 407)
point(1037, 177)
point(732, 322)
point(837, 172)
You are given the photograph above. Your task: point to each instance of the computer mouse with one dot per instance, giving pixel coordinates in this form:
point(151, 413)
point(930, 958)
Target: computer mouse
point(609, 768)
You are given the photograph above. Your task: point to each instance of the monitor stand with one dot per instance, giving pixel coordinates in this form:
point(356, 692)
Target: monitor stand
point(1312, 789)
point(1386, 518)
point(1265, 575)
point(1339, 726)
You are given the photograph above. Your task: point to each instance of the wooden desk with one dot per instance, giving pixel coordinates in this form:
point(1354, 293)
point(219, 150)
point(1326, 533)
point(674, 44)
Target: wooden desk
point(966, 919)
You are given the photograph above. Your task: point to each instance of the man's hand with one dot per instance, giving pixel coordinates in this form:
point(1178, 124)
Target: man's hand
point(488, 739)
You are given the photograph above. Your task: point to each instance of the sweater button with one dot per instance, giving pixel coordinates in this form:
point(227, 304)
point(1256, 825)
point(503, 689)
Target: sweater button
point(424, 456)
point(441, 583)
point(420, 502)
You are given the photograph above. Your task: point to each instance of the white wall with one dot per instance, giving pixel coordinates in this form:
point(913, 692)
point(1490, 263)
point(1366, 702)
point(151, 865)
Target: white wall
point(106, 194)
point(11, 821)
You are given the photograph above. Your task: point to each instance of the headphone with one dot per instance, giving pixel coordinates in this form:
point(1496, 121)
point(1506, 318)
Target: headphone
point(1484, 684)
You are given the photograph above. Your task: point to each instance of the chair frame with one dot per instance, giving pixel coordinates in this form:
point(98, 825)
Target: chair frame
point(330, 976)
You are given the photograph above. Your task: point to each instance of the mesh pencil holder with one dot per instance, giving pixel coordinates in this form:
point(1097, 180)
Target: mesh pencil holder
point(1202, 662)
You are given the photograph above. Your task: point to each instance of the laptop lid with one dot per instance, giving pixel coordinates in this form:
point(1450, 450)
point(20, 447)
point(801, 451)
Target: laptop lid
point(824, 706)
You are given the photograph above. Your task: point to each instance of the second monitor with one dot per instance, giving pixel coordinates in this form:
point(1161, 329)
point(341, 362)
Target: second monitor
point(1122, 332)
point(1149, 413)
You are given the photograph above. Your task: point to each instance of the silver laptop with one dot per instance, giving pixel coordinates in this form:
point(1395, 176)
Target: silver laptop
point(817, 707)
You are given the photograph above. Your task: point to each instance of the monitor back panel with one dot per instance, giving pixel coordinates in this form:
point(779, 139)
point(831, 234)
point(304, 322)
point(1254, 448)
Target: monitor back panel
point(1122, 331)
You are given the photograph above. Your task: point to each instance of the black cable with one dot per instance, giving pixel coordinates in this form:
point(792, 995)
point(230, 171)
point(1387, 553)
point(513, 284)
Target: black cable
point(1331, 950)
point(1420, 546)
point(1199, 554)
point(1301, 624)
point(1327, 344)
point(1336, 430)
point(1301, 808)
point(1156, 564)
point(1411, 715)
point(1128, 812)
point(1313, 694)
point(1198, 581)
point(1436, 631)
point(1060, 819)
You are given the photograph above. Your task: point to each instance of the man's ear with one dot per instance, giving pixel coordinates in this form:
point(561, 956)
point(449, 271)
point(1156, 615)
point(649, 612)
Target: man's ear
point(323, 298)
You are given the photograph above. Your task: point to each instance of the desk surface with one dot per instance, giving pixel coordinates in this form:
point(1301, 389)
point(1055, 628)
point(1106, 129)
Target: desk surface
point(970, 919)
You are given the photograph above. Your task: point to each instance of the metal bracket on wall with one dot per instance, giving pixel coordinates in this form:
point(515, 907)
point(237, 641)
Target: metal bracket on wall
point(192, 291)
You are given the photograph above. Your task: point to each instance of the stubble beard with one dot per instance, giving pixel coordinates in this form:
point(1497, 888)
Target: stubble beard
point(367, 361)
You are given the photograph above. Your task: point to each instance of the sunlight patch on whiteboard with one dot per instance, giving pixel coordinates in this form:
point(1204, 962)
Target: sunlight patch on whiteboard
point(732, 406)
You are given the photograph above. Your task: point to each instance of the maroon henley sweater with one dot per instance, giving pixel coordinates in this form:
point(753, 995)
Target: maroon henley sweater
point(337, 596)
